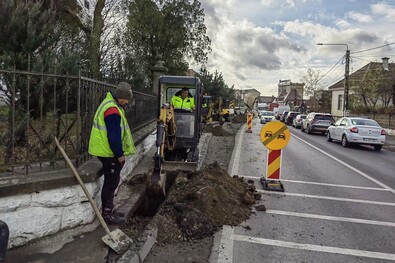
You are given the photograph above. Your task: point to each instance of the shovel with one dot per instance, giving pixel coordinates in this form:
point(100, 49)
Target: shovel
point(116, 240)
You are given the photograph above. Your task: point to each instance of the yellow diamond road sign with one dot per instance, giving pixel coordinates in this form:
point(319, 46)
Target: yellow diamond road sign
point(275, 135)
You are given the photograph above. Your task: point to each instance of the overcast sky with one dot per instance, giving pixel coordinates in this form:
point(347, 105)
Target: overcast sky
point(258, 42)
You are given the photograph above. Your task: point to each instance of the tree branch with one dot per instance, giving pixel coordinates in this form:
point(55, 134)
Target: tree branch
point(83, 27)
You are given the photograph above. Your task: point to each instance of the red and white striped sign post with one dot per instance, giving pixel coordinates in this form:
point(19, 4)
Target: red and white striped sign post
point(273, 164)
point(249, 123)
point(275, 136)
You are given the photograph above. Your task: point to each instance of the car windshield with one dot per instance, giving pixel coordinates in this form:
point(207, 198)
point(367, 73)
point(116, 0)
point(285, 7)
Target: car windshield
point(364, 122)
point(323, 117)
point(267, 113)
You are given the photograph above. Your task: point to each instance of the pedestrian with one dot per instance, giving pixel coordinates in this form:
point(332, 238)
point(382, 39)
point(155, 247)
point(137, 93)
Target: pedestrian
point(111, 140)
point(183, 100)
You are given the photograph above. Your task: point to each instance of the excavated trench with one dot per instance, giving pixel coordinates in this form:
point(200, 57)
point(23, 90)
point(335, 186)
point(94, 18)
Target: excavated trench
point(196, 205)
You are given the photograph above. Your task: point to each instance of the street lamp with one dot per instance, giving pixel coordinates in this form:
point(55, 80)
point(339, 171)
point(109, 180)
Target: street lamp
point(346, 77)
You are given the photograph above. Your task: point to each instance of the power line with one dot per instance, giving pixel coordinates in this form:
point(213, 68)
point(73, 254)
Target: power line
point(373, 48)
point(331, 69)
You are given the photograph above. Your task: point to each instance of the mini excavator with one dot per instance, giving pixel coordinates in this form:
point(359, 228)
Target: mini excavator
point(178, 130)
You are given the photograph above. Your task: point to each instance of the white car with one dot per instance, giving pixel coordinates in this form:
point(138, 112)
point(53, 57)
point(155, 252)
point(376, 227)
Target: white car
point(267, 116)
point(350, 130)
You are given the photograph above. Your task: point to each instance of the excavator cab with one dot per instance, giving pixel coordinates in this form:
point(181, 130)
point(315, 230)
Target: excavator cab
point(178, 129)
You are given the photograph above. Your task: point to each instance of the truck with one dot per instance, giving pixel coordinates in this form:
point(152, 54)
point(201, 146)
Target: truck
point(280, 110)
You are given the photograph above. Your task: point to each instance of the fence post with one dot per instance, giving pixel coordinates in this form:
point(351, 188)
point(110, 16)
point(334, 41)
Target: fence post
point(78, 143)
point(158, 70)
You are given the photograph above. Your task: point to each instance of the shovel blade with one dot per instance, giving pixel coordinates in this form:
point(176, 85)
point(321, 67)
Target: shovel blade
point(117, 241)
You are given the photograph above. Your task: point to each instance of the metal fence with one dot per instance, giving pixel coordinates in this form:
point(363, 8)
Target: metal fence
point(37, 107)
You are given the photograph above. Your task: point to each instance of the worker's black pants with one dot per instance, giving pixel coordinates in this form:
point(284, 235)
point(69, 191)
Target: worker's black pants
point(111, 169)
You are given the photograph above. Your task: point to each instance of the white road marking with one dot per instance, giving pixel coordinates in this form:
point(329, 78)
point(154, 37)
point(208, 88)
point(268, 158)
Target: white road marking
point(225, 253)
point(309, 247)
point(348, 166)
point(332, 218)
point(324, 184)
point(328, 198)
point(234, 170)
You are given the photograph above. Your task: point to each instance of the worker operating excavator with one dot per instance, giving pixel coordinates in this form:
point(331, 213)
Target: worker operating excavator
point(183, 100)
point(178, 128)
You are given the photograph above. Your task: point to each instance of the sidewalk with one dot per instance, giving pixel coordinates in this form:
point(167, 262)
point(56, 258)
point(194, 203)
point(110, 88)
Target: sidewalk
point(83, 244)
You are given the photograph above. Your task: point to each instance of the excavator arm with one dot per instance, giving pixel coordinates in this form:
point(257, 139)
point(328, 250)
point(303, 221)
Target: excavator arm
point(165, 140)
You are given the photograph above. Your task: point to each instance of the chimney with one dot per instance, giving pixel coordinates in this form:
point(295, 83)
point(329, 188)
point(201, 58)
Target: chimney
point(385, 63)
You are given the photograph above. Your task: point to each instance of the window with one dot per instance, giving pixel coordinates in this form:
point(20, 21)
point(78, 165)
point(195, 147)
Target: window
point(340, 102)
point(337, 123)
point(343, 122)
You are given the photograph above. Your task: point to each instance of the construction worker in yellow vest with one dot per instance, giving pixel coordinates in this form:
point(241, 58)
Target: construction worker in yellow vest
point(183, 100)
point(111, 140)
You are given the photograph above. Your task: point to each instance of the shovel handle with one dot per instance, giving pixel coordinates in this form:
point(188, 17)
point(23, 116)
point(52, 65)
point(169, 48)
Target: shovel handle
point(98, 214)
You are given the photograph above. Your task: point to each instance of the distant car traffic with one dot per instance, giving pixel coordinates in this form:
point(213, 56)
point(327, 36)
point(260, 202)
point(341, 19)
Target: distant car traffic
point(317, 122)
point(297, 122)
point(289, 118)
point(266, 116)
point(282, 116)
point(350, 130)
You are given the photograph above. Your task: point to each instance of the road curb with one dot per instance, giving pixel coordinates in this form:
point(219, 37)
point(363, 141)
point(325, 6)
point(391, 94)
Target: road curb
point(141, 247)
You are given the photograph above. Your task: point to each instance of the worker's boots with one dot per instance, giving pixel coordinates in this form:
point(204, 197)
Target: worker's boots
point(113, 218)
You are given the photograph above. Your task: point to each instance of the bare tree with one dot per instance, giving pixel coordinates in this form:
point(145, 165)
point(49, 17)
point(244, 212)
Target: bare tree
point(98, 24)
point(311, 82)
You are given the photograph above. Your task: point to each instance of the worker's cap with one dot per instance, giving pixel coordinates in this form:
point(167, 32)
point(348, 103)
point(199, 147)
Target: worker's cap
point(124, 91)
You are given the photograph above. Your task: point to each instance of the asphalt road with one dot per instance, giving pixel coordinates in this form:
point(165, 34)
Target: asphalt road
point(338, 204)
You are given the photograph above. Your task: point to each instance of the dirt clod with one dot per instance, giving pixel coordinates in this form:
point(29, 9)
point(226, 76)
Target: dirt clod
point(260, 208)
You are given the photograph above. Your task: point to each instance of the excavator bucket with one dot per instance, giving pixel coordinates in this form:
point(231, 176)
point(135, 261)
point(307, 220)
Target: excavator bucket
point(184, 166)
point(158, 178)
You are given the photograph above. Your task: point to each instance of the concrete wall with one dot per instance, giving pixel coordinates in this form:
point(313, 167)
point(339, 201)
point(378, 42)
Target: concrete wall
point(35, 215)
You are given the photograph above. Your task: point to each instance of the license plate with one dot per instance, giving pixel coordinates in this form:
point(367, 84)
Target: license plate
point(324, 122)
point(369, 140)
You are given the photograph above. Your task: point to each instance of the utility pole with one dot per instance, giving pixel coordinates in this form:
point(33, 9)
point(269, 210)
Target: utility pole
point(346, 85)
point(346, 109)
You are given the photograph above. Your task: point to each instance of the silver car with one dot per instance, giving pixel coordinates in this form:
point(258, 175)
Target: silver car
point(350, 130)
point(267, 116)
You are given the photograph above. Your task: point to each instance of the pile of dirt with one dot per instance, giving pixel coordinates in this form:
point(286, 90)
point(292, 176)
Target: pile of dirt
point(240, 118)
point(216, 130)
point(200, 202)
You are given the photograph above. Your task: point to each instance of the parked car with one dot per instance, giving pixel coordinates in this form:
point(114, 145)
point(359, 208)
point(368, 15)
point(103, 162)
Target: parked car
point(283, 115)
point(350, 130)
point(267, 116)
point(317, 122)
point(297, 122)
point(290, 117)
